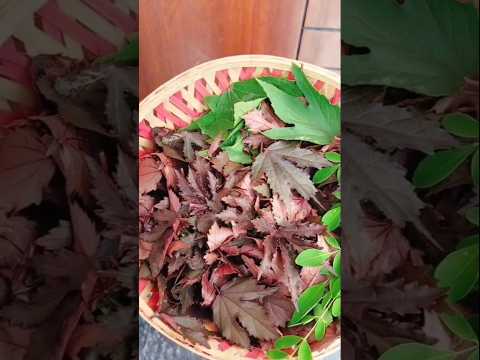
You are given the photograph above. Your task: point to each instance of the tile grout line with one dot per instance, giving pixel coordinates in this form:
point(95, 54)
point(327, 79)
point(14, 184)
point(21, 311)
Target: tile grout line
point(302, 29)
point(329, 29)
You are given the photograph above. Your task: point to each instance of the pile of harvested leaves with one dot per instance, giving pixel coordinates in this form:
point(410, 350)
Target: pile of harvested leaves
point(236, 239)
point(68, 210)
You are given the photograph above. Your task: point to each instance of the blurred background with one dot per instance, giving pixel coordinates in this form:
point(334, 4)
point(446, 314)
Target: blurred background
point(176, 35)
point(78, 29)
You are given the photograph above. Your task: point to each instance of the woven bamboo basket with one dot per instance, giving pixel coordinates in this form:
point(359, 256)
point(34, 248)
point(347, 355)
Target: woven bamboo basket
point(177, 103)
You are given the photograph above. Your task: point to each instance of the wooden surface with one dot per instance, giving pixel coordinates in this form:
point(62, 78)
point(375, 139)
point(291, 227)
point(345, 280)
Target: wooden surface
point(176, 35)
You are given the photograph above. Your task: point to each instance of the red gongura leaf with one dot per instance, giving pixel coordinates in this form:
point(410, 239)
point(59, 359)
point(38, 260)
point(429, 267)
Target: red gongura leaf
point(149, 174)
point(25, 168)
point(237, 314)
point(217, 236)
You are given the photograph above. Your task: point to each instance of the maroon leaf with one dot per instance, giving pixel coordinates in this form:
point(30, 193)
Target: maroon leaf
point(261, 120)
point(292, 278)
point(25, 168)
point(208, 291)
point(279, 309)
point(149, 174)
point(217, 236)
point(235, 307)
point(16, 234)
point(84, 233)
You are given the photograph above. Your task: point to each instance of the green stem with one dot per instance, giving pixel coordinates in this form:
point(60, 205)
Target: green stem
point(329, 303)
point(471, 348)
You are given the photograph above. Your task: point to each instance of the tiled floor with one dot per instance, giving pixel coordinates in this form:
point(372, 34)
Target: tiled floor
point(154, 346)
point(320, 40)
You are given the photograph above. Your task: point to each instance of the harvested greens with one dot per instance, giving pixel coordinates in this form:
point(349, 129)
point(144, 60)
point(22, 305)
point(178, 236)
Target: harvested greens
point(240, 216)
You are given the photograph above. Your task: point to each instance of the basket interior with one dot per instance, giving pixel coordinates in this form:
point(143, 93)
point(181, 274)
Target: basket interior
point(175, 105)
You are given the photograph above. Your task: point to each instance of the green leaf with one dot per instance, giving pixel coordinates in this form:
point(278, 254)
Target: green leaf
point(222, 103)
point(304, 351)
point(213, 124)
point(474, 168)
point(336, 307)
point(320, 330)
point(332, 218)
point(276, 354)
point(459, 326)
point(326, 300)
point(243, 107)
point(128, 55)
point(318, 122)
point(250, 89)
point(307, 301)
point(473, 355)
point(212, 101)
point(468, 241)
point(335, 287)
point(459, 272)
point(324, 174)
point(333, 157)
point(437, 167)
point(316, 101)
point(416, 351)
point(461, 125)
point(332, 242)
point(337, 264)
point(400, 39)
point(323, 314)
point(233, 146)
point(312, 258)
point(287, 341)
point(472, 215)
point(219, 121)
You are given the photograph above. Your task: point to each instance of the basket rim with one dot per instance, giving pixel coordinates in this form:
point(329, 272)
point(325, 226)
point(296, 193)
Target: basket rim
point(144, 309)
point(184, 79)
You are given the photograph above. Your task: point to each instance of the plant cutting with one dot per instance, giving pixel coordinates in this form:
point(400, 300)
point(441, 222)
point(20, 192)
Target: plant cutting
point(230, 214)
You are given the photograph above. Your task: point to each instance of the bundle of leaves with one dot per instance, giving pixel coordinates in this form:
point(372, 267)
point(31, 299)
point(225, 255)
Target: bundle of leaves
point(229, 203)
point(410, 150)
point(68, 229)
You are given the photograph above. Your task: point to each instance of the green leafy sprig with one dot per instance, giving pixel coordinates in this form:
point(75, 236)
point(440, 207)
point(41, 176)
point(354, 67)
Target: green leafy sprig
point(458, 271)
point(319, 304)
point(437, 167)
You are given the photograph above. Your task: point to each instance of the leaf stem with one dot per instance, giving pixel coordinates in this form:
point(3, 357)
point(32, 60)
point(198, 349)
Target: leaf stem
point(305, 338)
point(471, 348)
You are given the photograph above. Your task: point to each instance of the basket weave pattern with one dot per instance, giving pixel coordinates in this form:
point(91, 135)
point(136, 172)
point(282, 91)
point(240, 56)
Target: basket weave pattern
point(179, 101)
point(176, 104)
point(79, 29)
